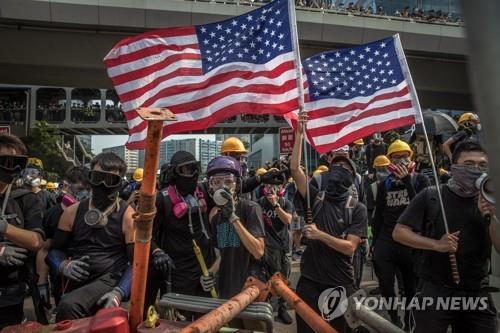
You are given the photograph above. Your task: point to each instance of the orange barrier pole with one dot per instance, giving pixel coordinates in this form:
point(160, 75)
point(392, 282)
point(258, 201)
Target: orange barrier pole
point(146, 211)
point(215, 319)
point(279, 288)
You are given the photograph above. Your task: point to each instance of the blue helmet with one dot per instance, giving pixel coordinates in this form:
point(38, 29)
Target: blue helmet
point(222, 164)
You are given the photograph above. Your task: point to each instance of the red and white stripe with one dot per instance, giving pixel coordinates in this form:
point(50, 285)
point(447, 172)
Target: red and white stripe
point(163, 68)
point(333, 123)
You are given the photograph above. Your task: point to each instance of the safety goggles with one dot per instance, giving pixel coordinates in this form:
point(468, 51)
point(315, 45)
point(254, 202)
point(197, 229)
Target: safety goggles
point(343, 165)
point(13, 162)
point(220, 181)
point(108, 179)
point(188, 169)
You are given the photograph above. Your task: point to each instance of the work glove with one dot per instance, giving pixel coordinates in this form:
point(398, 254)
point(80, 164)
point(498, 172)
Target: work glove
point(162, 261)
point(111, 299)
point(273, 177)
point(44, 291)
point(228, 210)
point(12, 255)
point(207, 282)
point(76, 270)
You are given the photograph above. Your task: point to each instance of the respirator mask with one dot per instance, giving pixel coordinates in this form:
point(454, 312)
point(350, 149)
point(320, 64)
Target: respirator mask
point(104, 199)
point(219, 183)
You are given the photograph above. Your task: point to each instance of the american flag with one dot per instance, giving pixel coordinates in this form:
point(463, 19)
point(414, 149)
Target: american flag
point(355, 92)
point(207, 73)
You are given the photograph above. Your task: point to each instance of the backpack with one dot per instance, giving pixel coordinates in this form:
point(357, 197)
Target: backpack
point(348, 209)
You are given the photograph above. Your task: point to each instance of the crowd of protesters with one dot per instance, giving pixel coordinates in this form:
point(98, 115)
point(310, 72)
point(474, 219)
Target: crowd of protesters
point(73, 247)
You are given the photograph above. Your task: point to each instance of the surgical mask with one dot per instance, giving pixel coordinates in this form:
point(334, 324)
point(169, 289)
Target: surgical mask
point(463, 179)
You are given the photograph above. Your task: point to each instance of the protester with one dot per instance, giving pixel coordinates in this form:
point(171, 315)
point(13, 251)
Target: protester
point(473, 227)
point(358, 155)
point(277, 216)
point(93, 244)
point(75, 188)
point(469, 128)
point(375, 148)
point(18, 235)
point(181, 218)
point(327, 259)
point(393, 196)
point(237, 226)
point(32, 178)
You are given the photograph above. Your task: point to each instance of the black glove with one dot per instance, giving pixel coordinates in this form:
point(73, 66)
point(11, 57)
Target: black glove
point(111, 299)
point(273, 177)
point(228, 210)
point(162, 261)
point(12, 255)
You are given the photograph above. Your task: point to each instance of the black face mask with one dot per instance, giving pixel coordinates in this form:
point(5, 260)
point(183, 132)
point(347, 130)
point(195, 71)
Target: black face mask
point(7, 177)
point(339, 182)
point(186, 185)
point(103, 197)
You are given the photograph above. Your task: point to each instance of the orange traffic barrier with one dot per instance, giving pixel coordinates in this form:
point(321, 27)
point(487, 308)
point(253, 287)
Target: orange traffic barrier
point(279, 288)
point(146, 210)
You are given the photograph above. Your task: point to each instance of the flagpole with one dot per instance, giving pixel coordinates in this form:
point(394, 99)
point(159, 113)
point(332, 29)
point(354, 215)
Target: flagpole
point(300, 87)
point(413, 92)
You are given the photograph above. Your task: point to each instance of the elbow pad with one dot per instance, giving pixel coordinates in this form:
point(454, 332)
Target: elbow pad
point(125, 283)
point(54, 259)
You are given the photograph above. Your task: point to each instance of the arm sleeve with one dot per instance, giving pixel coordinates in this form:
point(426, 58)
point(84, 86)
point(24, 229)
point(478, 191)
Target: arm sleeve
point(61, 239)
point(414, 215)
point(379, 208)
point(125, 283)
point(54, 259)
point(359, 225)
point(249, 184)
point(33, 213)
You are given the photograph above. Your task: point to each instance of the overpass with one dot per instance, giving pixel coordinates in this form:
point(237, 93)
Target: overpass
point(59, 45)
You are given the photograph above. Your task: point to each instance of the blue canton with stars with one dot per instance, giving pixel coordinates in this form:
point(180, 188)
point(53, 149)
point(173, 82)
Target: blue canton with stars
point(255, 37)
point(354, 72)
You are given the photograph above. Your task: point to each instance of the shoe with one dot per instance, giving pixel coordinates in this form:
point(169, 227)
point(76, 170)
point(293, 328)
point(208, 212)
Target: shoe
point(284, 316)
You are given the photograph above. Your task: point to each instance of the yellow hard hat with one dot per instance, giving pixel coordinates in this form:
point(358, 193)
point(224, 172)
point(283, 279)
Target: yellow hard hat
point(442, 171)
point(468, 116)
point(398, 146)
point(381, 161)
point(322, 168)
point(232, 145)
point(359, 142)
point(317, 172)
point(33, 161)
point(260, 171)
point(138, 174)
point(51, 186)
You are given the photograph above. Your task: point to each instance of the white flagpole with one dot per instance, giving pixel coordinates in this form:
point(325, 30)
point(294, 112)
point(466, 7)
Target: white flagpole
point(300, 87)
point(413, 92)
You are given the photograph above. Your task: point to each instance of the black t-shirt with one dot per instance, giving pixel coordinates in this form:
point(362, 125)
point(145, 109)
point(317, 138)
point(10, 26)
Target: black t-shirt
point(474, 246)
point(11, 274)
point(51, 220)
point(173, 236)
point(392, 199)
point(237, 264)
point(31, 206)
point(48, 201)
point(320, 262)
point(277, 236)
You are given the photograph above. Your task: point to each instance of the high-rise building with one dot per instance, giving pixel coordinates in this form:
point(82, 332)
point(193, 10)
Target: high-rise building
point(131, 157)
point(202, 150)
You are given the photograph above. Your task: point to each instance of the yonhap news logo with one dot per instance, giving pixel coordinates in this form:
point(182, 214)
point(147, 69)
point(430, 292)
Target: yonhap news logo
point(333, 303)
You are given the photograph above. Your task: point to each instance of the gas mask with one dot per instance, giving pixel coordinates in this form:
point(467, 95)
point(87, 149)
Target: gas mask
point(104, 199)
point(278, 190)
point(31, 177)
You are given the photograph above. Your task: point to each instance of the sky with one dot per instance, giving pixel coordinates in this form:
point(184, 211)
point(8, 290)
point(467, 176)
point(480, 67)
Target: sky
point(99, 142)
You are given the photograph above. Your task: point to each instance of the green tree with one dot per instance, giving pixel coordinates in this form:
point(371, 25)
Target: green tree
point(42, 143)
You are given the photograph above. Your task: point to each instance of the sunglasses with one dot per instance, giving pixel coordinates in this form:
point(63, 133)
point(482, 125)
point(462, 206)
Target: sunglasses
point(189, 169)
point(13, 162)
point(109, 179)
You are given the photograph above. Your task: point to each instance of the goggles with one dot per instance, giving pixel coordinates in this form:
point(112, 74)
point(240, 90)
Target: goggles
point(219, 181)
point(13, 162)
point(343, 165)
point(108, 179)
point(188, 169)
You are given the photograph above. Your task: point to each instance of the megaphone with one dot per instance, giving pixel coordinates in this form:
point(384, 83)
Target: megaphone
point(485, 186)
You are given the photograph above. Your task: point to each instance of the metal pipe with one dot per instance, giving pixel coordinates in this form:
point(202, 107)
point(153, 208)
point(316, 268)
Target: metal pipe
point(313, 319)
point(146, 211)
point(215, 319)
point(375, 321)
point(203, 266)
